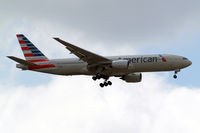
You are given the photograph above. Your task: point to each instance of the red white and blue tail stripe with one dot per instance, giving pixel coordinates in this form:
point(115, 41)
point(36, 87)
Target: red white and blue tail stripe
point(31, 53)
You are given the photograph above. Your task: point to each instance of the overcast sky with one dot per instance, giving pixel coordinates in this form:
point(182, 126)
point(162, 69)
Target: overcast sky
point(34, 102)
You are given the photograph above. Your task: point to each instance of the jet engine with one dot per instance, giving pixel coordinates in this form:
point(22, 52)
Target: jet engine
point(120, 64)
point(133, 77)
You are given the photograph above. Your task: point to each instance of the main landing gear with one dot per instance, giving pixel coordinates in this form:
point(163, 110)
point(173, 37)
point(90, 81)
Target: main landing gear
point(105, 83)
point(175, 73)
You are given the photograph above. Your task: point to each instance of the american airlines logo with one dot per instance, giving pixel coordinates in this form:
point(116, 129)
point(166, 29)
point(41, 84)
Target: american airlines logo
point(163, 59)
point(145, 59)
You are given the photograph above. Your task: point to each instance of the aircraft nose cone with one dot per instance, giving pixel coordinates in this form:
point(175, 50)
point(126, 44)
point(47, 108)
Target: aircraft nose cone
point(189, 63)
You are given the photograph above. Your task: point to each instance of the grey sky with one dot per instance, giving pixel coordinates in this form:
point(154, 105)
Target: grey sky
point(130, 21)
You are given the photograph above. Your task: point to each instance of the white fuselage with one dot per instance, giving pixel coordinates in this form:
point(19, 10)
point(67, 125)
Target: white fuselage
point(137, 63)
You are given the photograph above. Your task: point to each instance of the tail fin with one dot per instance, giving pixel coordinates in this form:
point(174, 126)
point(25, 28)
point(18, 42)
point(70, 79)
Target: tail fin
point(31, 53)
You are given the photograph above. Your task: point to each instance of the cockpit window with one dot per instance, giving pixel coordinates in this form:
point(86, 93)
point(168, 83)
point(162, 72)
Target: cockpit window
point(184, 58)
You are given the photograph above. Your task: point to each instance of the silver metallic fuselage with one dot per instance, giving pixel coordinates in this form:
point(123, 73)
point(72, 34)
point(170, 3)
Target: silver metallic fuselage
point(138, 63)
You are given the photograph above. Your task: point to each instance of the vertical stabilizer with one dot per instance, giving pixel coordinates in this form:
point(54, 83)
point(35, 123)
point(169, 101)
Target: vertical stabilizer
point(31, 53)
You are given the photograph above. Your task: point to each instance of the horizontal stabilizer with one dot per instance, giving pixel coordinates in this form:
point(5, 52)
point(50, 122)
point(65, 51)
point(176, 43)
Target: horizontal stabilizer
point(21, 61)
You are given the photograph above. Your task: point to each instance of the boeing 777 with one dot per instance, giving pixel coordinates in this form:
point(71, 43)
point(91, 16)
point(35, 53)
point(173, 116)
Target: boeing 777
point(127, 68)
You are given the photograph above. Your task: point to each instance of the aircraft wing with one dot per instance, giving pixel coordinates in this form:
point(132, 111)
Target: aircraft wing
point(87, 56)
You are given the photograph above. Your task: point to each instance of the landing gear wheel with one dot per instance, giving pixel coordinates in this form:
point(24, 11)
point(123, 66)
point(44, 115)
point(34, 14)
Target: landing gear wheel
point(109, 83)
point(106, 84)
point(101, 84)
point(98, 77)
point(175, 72)
point(175, 76)
point(94, 78)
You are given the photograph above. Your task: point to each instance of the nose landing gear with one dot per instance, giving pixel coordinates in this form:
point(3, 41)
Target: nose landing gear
point(175, 73)
point(175, 76)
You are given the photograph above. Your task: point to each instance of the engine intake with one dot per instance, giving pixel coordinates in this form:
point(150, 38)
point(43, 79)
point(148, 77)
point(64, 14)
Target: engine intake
point(133, 77)
point(120, 64)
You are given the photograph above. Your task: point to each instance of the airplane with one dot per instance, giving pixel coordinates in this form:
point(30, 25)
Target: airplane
point(127, 68)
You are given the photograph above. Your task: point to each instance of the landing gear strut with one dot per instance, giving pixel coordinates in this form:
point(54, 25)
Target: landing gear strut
point(175, 72)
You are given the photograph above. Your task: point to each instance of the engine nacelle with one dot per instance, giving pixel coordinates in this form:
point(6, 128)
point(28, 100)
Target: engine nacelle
point(120, 64)
point(133, 77)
